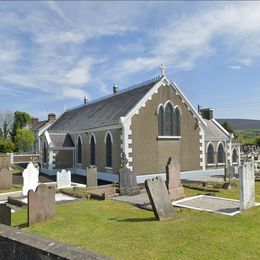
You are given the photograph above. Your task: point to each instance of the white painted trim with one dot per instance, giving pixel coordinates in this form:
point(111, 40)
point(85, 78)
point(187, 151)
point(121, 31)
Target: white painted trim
point(48, 139)
point(158, 108)
point(210, 164)
point(214, 149)
point(111, 136)
point(177, 137)
point(178, 109)
point(89, 140)
point(202, 147)
point(166, 103)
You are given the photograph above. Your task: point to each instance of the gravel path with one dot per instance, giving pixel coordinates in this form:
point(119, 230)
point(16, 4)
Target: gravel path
point(209, 203)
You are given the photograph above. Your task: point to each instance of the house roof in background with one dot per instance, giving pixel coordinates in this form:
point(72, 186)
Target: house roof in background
point(38, 125)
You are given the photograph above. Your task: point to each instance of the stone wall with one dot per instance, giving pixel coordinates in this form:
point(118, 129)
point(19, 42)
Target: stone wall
point(17, 244)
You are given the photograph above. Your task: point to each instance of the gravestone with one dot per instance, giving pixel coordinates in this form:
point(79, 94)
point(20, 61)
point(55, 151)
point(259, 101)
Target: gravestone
point(5, 214)
point(30, 178)
point(127, 179)
point(91, 176)
point(247, 186)
point(6, 179)
point(229, 174)
point(63, 179)
point(159, 198)
point(41, 204)
point(173, 180)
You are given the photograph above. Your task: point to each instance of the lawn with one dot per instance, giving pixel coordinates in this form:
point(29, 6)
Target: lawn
point(126, 232)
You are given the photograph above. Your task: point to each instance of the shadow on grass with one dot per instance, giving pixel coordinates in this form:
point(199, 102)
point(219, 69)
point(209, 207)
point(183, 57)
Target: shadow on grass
point(136, 220)
point(22, 225)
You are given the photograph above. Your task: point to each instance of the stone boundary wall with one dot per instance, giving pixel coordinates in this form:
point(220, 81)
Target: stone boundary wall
point(18, 244)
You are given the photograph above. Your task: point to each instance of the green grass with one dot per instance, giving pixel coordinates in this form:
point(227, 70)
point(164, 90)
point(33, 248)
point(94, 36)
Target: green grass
point(126, 232)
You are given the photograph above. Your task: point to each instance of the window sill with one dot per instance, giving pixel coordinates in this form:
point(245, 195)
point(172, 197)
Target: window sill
point(167, 137)
point(211, 164)
point(221, 164)
point(109, 169)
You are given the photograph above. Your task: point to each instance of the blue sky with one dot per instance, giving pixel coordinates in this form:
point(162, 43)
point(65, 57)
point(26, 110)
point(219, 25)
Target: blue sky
point(54, 53)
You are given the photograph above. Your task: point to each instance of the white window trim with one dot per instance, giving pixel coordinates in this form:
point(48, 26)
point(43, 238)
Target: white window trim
point(221, 164)
point(90, 137)
point(111, 136)
point(210, 164)
point(161, 137)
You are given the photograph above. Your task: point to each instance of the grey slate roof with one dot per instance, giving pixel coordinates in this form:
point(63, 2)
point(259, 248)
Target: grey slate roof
point(61, 140)
point(38, 125)
point(103, 112)
point(212, 131)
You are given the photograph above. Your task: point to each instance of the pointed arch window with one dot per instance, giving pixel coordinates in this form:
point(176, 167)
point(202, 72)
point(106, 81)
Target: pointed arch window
point(161, 121)
point(44, 153)
point(210, 154)
point(221, 154)
point(92, 151)
point(168, 125)
point(79, 151)
point(234, 155)
point(108, 150)
point(177, 126)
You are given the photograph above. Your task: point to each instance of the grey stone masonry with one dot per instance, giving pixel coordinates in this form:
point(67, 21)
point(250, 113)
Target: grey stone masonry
point(159, 198)
point(5, 214)
point(92, 176)
point(18, 244)
point(41, 204)
point(127, 179)
point(5, 179)
point(173, 180)
point(247, 185)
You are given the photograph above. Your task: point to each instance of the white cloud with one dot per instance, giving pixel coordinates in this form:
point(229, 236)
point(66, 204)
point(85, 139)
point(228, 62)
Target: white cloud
point(246, 61)
point(234, 67)
point(68, 92)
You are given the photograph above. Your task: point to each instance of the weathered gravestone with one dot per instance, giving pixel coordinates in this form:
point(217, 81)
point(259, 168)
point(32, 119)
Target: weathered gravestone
point(30, 178)
point(229, 173)
point(63, 179)
point(6, 179)
point(159, 198)
point(91, 176)
point(127, 179)
point(5, 214)
point(173, 180)
point(247, 186)
point(4, 161)
point(41, 204)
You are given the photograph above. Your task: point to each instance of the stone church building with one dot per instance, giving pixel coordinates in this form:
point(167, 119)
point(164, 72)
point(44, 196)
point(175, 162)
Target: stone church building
point(149, 122)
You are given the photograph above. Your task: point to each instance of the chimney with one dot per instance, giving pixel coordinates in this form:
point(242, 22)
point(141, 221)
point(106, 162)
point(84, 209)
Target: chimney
point(207, 113)
point(85, 100)
point(34, 120)
point(115, 89)
point(51, 117)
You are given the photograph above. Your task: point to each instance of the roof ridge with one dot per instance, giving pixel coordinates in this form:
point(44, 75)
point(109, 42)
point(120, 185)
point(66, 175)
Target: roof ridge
point(135, 86)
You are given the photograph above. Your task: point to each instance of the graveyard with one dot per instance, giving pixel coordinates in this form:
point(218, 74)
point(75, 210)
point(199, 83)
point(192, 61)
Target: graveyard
point(121, 230)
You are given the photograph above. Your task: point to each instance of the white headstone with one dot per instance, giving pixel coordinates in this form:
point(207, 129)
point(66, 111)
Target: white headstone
point(30, 178)
point(247, 186)
point(63, 179)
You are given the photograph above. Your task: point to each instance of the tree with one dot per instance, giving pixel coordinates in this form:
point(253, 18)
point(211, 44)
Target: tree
point(6, 145)
point(6, 123)
point(21, 119)
point(24, 139)
point(229, 128)
point(257, 140)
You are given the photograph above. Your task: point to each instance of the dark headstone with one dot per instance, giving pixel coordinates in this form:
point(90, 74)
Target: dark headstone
point(127, 179)
point(41, 204)
point(92, 176)
point(5, 214)
point(159, 198)
point(5, 179)
point(173, 180)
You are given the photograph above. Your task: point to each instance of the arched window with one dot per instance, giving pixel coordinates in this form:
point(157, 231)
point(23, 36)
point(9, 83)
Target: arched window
point(44, 153)
point(234, 155)
point(210, 154)
point(161, 121)
point(177, 126)
point(108, 150)
point(221, 154)
point(79, 150)
point(92, 150)
point(168, 126)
